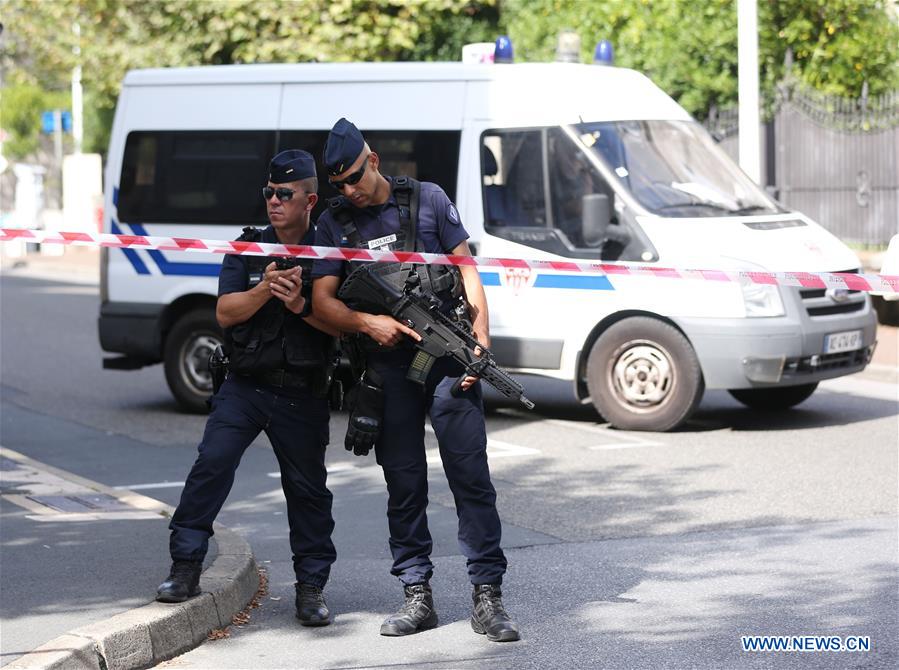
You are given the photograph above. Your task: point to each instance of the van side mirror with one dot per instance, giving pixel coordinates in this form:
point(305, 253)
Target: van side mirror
point(595, 218)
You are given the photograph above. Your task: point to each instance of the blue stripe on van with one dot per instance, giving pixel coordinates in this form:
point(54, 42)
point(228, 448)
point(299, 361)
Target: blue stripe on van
point(183, 269)
point(130, 254)
point(575, 282)
point(582, 282)
point(489, 278)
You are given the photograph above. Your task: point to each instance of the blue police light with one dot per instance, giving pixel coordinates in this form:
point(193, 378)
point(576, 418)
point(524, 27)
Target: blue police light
point(502, 51)
point(604, 54)
point(48, 123)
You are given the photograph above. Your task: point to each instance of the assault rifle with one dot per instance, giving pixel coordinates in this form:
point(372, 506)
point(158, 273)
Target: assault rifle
point(365, 289)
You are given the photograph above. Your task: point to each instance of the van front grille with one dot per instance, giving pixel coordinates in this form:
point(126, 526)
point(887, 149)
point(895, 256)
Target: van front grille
point(819, 302)
point(839, 308)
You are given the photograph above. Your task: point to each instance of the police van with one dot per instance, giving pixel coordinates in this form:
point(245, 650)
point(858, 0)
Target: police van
point(545, 161)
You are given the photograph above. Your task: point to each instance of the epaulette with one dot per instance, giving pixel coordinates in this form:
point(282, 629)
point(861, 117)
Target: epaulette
point(250, 234)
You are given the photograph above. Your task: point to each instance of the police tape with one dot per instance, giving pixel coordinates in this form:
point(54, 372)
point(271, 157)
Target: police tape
point(826, 280)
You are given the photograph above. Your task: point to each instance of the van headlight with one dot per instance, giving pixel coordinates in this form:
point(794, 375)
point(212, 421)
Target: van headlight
point(762, 300)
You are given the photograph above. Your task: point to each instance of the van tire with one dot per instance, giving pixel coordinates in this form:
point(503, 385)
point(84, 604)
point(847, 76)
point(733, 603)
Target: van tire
point(188, 346)
point(781, 397)
point(631, 353)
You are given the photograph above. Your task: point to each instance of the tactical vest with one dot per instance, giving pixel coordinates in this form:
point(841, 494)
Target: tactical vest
point(440, 280)
point(275, 338)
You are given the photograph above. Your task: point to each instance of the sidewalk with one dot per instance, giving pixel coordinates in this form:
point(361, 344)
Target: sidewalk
point(79, 265)
point(56, 527)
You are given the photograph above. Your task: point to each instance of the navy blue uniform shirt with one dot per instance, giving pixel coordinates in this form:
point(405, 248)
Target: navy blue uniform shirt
point(439, 229)
point(234, 276)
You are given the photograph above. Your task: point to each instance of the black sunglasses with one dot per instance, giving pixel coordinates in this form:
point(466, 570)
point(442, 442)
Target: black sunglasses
point(353, 179)
point(284, 194)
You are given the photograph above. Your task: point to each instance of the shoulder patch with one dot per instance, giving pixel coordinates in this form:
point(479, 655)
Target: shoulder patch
point(452, 214)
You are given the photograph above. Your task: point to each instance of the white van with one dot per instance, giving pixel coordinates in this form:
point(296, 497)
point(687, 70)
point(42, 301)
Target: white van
point(550, 160)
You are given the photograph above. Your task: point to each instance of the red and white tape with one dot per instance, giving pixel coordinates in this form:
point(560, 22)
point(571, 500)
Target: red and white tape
point(835, 280)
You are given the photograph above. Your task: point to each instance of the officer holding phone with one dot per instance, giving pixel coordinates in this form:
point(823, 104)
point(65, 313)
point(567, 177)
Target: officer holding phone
point(277, 384)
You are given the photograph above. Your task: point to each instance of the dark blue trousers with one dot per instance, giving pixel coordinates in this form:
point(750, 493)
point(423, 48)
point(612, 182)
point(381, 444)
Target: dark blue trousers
point(462, 438)
point(296, 423)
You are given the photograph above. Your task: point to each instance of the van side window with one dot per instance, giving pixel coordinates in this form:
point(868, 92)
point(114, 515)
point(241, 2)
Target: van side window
point(571, 178)
point(426, 155)
point(194, 176)
point(512, 171)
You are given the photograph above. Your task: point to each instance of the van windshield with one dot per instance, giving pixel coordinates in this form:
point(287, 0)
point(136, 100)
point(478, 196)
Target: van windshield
point(674, 168)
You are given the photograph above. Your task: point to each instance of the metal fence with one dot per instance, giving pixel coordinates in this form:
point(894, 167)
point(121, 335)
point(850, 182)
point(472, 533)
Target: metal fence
point(834, 159)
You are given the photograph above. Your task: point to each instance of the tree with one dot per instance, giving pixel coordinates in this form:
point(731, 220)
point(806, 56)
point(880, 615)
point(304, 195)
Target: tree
point(837, 44)
point(690, 48)
point(118, 35)
point(20, 111)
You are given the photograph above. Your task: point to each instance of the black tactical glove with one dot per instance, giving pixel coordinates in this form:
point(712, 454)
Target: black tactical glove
point(365, 419)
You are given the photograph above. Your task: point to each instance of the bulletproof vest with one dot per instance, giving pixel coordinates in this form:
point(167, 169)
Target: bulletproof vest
point(275, 338)
point(442, 281)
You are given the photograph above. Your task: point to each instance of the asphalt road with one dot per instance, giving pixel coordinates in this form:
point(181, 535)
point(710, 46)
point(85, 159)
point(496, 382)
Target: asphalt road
point(626, 549)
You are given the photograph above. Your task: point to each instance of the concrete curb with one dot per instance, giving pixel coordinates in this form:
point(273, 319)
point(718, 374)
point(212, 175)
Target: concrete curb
point(147, 635)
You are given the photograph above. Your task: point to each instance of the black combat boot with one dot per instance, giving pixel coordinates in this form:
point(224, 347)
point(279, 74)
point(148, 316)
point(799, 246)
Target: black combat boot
point(311, 607)
point(416, 614)
point(488, 615)
point(183, 582)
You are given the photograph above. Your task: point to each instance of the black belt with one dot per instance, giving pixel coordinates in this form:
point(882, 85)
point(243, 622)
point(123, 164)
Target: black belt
point(283, 378)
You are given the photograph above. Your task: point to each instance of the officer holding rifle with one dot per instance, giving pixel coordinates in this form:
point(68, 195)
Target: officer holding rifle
point(395, 394)
point(277, 382)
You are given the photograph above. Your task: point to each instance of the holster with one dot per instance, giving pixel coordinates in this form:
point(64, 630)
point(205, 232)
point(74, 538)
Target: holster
point(218, 368)
point(324, 385)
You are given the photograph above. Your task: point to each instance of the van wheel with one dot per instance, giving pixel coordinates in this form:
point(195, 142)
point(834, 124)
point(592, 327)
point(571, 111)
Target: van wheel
point(642, 374)
point(187, 349)
point(782, 397)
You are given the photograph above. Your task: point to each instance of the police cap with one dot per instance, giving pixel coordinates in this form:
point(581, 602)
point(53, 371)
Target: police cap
point(342, 148)
point(291, 165)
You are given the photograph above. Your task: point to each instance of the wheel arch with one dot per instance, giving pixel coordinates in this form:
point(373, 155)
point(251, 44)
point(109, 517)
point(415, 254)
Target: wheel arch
point(178, 308)
point(580, 384)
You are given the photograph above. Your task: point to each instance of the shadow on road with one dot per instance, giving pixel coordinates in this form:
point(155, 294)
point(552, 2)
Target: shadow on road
point(718, 410)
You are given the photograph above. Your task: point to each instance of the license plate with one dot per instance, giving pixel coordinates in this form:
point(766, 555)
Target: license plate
point(848, 340)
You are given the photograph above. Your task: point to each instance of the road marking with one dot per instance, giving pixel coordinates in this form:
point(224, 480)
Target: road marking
point(495, 449)
point(67, 290)
point(155, 485)
point(332, 469)
point(611, 447)
point(620, 440)
point(104, 516)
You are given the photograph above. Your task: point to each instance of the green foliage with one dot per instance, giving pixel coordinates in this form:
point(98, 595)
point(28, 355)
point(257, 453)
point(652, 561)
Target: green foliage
point(20, 116)
point(118, 35)
point(837, 44)
point(690, 48)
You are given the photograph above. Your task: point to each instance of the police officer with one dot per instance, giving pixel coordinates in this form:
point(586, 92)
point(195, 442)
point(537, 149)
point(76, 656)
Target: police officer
point(375, 211)
point(278, 352)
